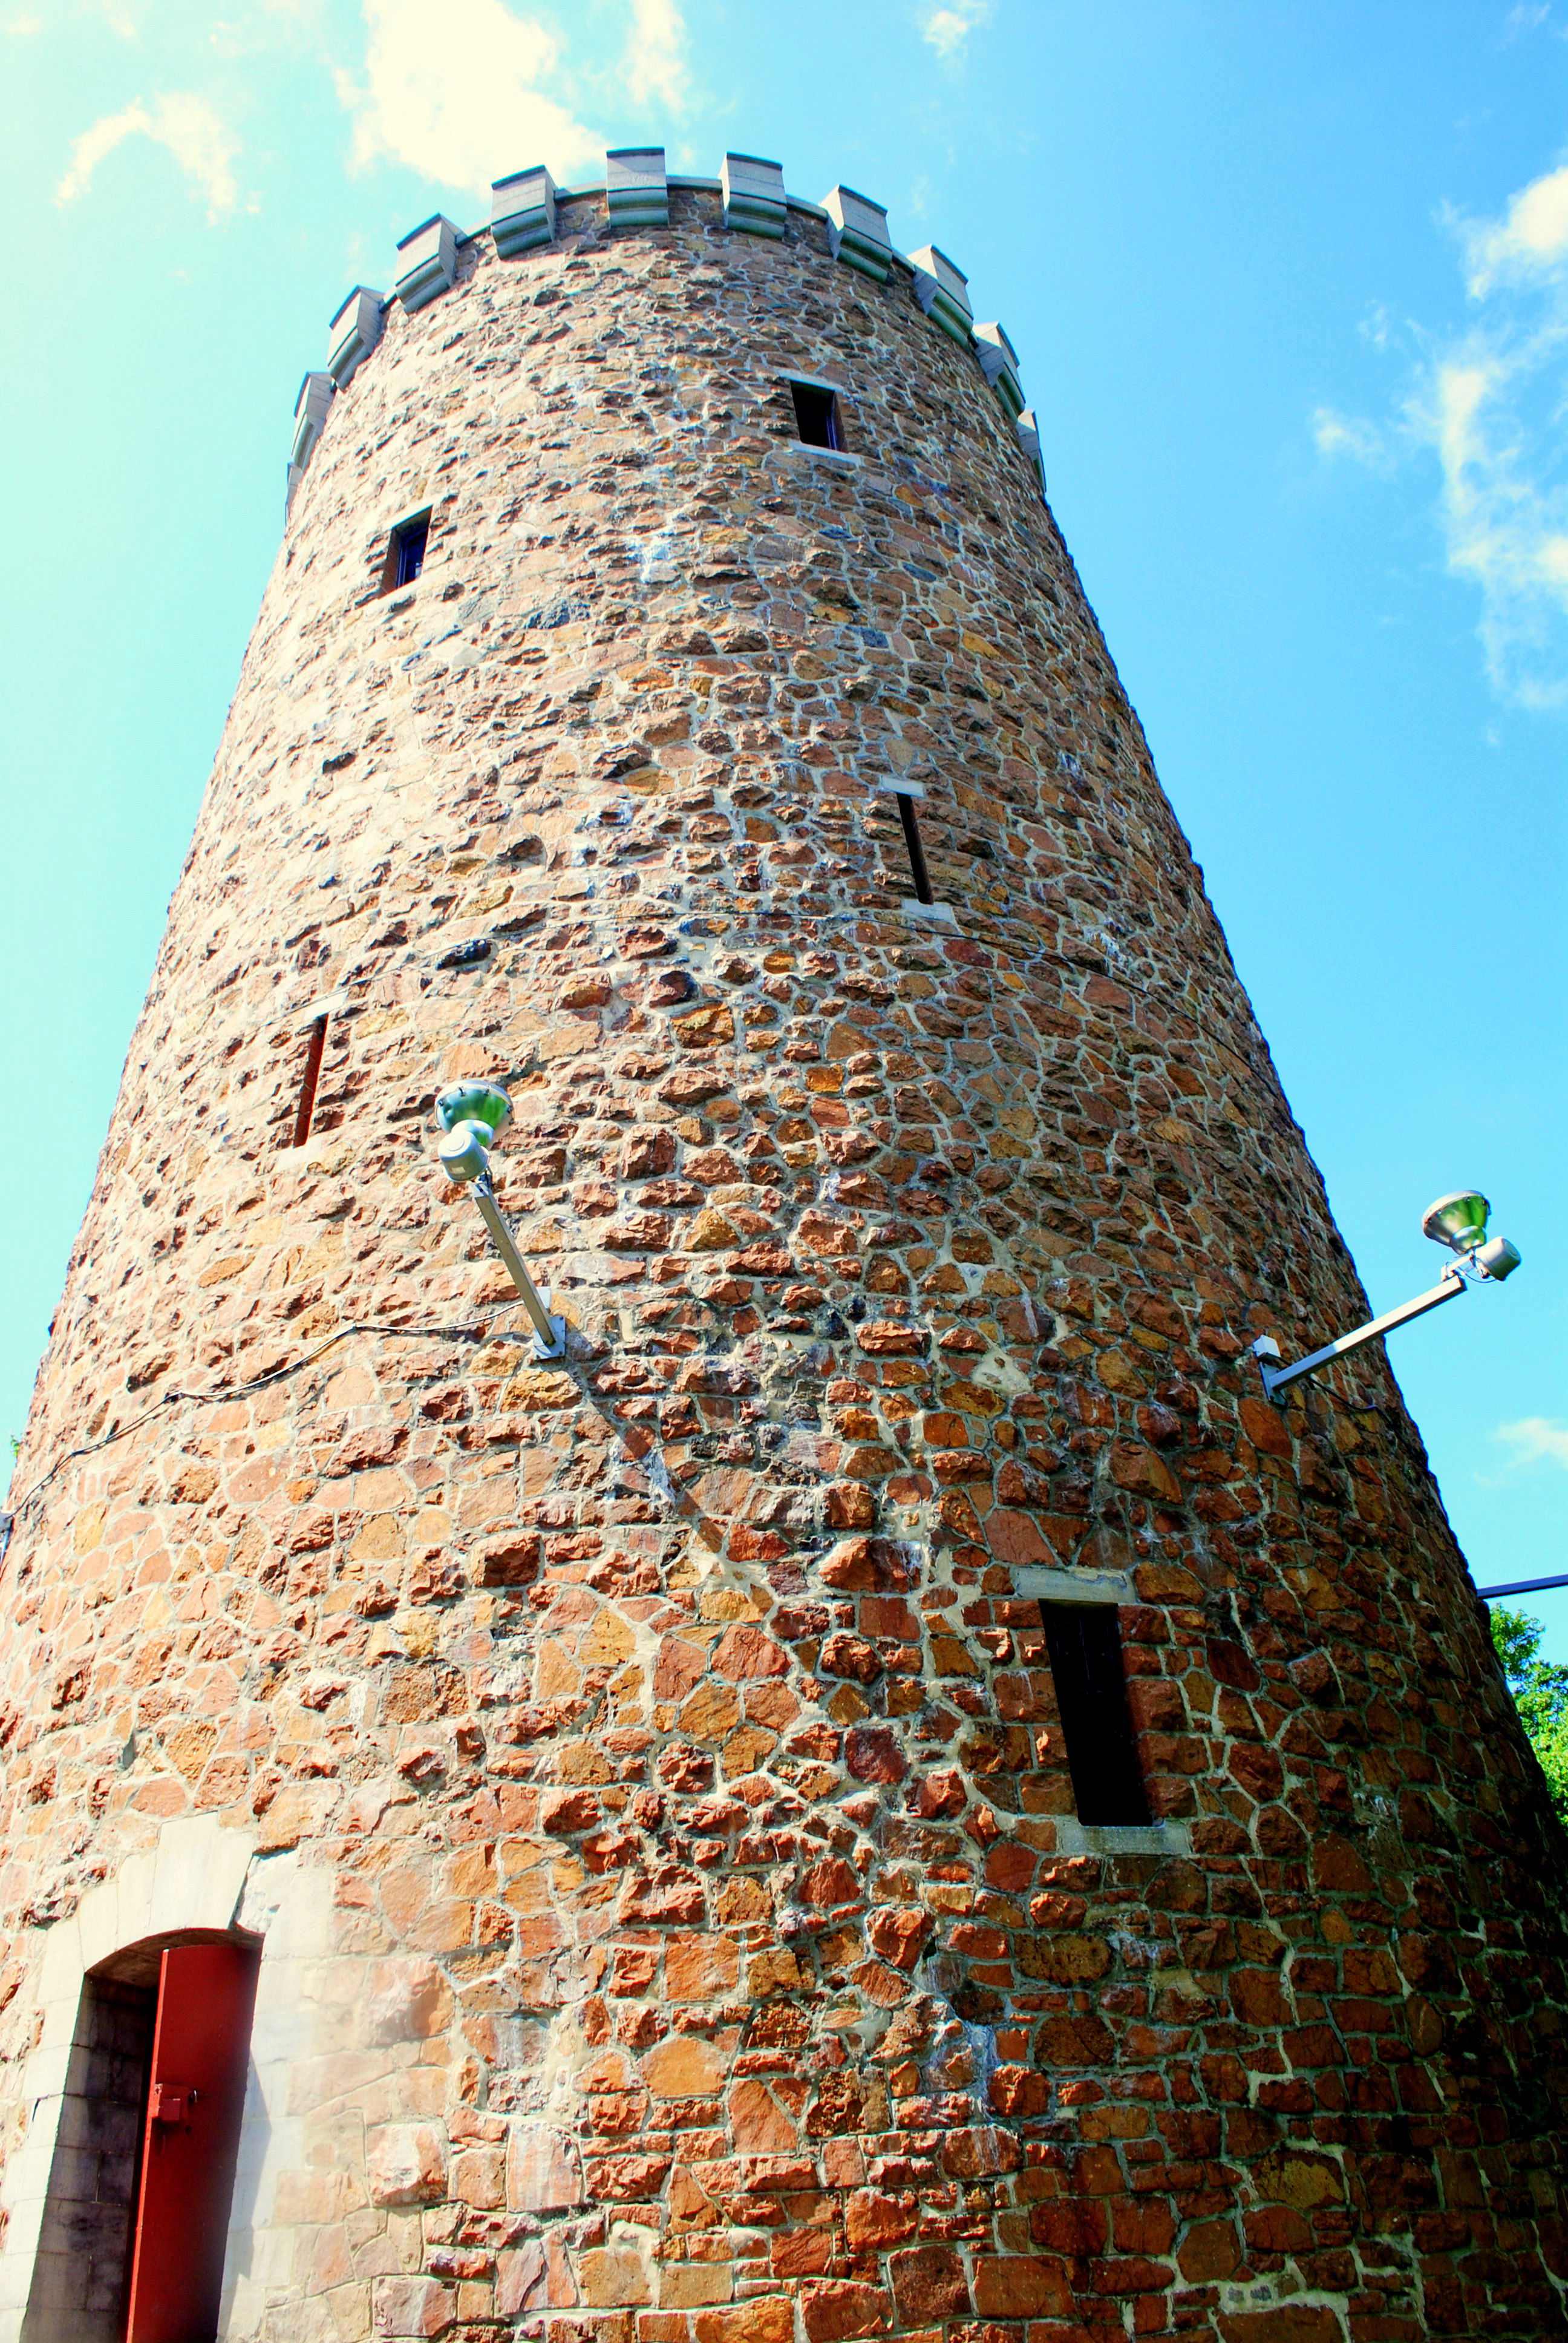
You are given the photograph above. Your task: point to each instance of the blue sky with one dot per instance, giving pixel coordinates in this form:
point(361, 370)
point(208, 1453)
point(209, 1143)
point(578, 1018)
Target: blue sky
point(1289, 284)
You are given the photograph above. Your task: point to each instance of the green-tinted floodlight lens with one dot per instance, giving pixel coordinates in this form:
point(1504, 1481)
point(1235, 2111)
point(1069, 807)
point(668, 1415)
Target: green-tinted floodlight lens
point(483, 1102)
point(1458, 1221)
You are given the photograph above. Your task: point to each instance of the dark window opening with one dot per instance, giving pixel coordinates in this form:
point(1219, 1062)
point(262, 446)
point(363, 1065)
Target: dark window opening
point(1085, 1647)
point(816, 416)
point(405, 553)
point(411, 551)
point(917, 853)
point(309, 1082)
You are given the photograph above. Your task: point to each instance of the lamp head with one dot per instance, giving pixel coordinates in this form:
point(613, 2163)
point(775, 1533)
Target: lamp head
point(1458, 1221)
point(484, 1102)
point(473, 1116)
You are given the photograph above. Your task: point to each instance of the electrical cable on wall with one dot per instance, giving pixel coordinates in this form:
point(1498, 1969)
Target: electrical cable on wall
point(243, 1391)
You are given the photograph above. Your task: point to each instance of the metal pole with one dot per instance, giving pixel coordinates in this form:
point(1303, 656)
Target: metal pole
point(1276, 1378)
point(1520, 1586)
point(549, 1333)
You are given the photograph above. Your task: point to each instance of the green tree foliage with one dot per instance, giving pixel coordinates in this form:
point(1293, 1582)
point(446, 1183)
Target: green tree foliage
point(1539, 1689)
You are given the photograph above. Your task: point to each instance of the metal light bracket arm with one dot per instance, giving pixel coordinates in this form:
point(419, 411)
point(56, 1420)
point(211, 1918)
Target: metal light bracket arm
point(549, 1333)
point(1276, 1378)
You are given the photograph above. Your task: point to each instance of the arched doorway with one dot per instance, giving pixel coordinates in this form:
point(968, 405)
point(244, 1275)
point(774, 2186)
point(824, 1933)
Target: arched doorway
point(143, 2165)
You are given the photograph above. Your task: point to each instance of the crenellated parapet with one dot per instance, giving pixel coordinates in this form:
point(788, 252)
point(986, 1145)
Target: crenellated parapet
point(634, 193)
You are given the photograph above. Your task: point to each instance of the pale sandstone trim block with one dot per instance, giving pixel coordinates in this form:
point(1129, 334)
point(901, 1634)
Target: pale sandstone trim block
point(941, 290)
point(754, 198)
point(523, 212)
point(429, 261)
point(999, 364)
point(1027, 426)
point(636, 191)
point(311, 409)
point(353, 333)
point(857, 232)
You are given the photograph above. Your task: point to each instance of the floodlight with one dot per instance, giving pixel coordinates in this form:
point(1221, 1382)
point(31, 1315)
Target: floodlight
point(484, 1102)
point(1459, 1222)
point(472, 1116)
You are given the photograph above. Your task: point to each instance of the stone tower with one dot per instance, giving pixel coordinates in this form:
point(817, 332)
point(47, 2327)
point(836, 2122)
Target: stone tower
point(889, 1795)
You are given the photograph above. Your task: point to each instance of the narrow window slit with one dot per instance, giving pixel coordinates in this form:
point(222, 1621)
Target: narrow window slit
point(1085, 1647)
point(816, 416)
point(917, 853)
point(309, 1082)
point(405, 553)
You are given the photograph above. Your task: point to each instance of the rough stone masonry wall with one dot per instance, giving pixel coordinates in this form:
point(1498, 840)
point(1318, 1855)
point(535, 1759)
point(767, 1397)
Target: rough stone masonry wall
point(712, 1949)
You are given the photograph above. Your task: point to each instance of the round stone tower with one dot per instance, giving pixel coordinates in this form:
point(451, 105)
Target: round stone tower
point(889, 1792)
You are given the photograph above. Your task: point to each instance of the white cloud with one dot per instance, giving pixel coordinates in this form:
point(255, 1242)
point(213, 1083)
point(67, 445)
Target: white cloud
point(1348, 435)
point(947, 26)
point(1489, 405)
point(1530, 240)
point(22, 28)
point(187, 125)
point(1536, 1440)
point(455, 92)
point(654, 65)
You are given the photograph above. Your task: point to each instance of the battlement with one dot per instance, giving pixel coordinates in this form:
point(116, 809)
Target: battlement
point(526, 216)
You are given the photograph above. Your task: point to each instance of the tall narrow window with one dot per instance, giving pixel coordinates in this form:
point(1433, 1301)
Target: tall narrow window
point(917, 853)
point(816, 416)
point(1085, 1648)
point(309, 1082)
point(408, 550)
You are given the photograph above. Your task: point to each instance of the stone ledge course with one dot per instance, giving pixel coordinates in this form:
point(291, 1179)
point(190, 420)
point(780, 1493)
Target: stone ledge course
point(705, 1947)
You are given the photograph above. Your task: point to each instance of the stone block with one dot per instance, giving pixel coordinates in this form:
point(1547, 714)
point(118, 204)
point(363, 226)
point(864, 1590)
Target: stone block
point(858, 232)
point(405, 2164)
point(999, 364)
point(612, 2276)
point(543, 2174)
point(941, 290)
point(310, 412)
point(683, 2067)
point(1048, 1585)
point(637, 192)
point(523, 212)
point(411, 2307)
point(754, 199)
point(1027, 427)
point(428, 258)
point(353, 333)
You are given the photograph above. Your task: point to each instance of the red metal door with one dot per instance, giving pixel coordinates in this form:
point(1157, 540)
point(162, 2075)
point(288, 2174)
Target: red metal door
point(201, 2046)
